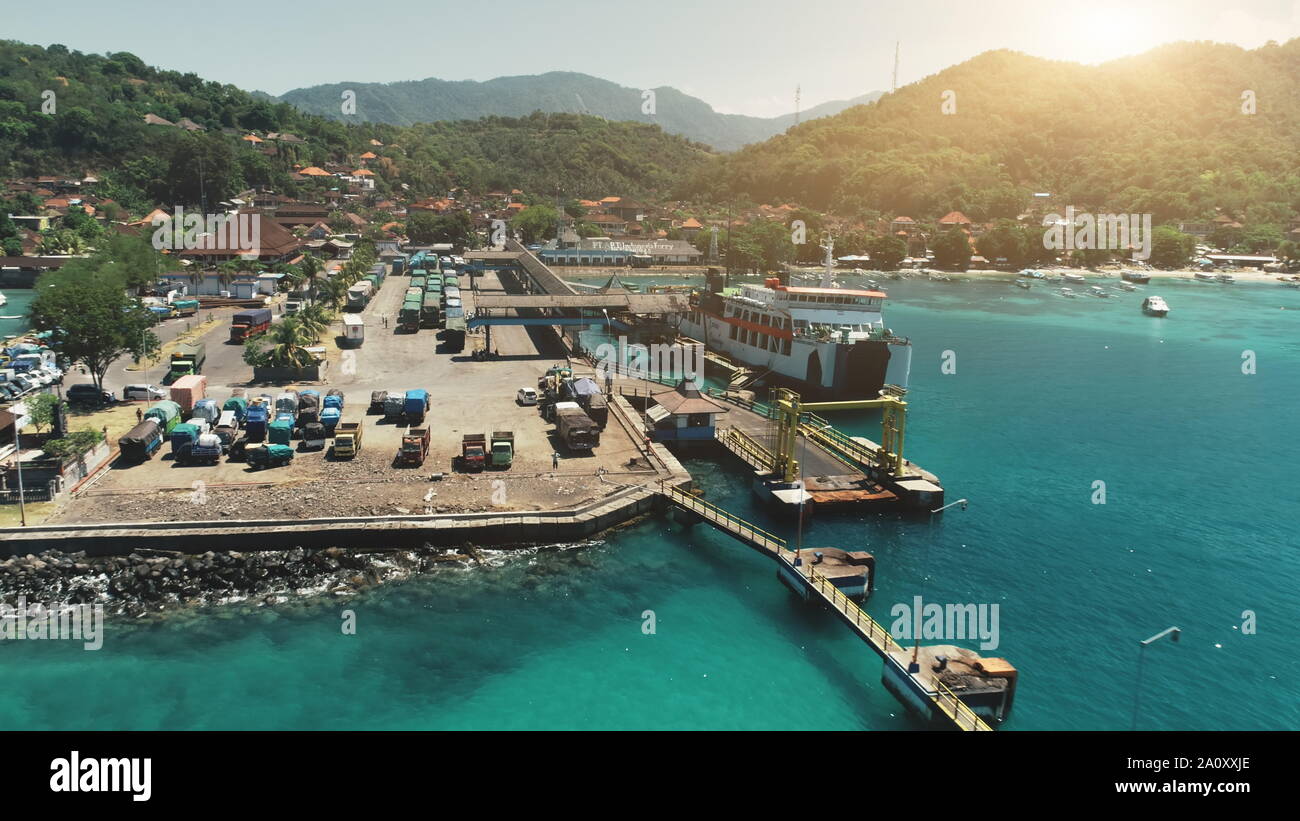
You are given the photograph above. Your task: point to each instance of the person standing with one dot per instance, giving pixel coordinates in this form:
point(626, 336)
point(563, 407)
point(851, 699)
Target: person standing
point(555, 460)
point(139, 416)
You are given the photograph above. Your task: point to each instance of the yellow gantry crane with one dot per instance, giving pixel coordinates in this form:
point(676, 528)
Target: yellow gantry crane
point(893, 425)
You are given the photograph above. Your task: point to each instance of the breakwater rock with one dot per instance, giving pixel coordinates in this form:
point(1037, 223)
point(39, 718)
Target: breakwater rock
point(149, 581)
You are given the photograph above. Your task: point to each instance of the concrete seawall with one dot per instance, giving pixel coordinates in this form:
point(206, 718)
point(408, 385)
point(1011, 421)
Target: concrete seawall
point(359, 532)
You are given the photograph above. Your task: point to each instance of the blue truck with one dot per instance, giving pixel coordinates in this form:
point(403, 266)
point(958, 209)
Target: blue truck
point(142, 441)
point(416, 405)
point(255, 422)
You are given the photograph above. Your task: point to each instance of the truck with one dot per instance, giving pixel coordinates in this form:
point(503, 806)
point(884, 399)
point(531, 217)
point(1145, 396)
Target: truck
point(394, 405)
point(249, 323)
point(430, 311)
point(265, 456)
point(185, 307)
point(256, 421)
point(454, 335)
point(188, 390)
point(415, 406)
point(503, 449)
point(238, 404)
point(166, 413)
point(280, 432)
point(187, 359)
point(358, 296)
point(417, 282)
point(377, 399)
point(347, 440)
point(208, 409)
point(287, 402)
point(227, 428)
point(182, 438)
point(329, 417)
point(333, 399)
point(308, 408)
point(598, 410)
point(313, 436)
point(574, 427)
point(206, 447)
point(409, 316)
point(354, 330)
point(415, 446)
point(473, 447)
point(140, 443)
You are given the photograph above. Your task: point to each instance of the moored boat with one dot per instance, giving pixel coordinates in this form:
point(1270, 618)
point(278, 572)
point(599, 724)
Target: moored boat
point(1066, 292)
point(1020, 283)
point(1204, 276)
point(1154, 306)
point(1077, 279)
point(1226, 279)
point(1099, 292)
point(1127, 286)
point(1136, 276)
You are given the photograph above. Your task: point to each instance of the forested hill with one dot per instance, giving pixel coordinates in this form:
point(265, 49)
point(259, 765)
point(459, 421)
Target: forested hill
point(93, 122)
point(1163, 133)
point(433, 100)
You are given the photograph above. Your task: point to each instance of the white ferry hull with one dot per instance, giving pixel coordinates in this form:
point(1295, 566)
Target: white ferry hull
point(817, 369)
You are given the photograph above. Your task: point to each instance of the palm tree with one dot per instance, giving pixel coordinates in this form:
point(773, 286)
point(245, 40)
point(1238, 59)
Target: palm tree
point(289, 341)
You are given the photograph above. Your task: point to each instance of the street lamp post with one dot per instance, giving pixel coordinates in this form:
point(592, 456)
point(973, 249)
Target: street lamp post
point(1173, 633)
point(18, 455)
point(803, 457)
point(915, 666)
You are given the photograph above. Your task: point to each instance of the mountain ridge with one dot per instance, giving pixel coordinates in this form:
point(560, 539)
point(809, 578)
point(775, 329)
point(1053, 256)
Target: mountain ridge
point(408, 102)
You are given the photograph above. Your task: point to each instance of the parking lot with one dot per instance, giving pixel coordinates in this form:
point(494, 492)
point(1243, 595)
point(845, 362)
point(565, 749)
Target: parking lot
point(466, 396)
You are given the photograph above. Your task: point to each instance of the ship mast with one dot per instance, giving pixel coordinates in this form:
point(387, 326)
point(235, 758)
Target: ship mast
point(828, 275)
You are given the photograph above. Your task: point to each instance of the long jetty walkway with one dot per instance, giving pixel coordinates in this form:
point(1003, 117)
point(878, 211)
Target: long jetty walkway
point(942, 699)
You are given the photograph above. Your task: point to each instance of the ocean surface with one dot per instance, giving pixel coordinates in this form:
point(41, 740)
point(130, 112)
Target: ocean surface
point(1049, 396)
point(13, 314)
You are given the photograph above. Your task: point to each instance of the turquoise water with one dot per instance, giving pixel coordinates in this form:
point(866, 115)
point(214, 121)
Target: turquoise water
point(13, 314)
point(1048, 397)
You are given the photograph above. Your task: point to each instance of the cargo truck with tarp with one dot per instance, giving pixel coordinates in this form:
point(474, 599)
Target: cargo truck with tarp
point(359, 296)
point(415, 405)
point(182, 436)
point(185, 307)
point(409, 316)
point(417, 282)
point(280, 432)
point(249, 323)
point(206, 447)
point(187, 359)
point(267, 456)
point(256, 421)
point(141, 441)
point(430, 311)
point(239, 405)
point(575, 428)
point(394, 406)
point(188, 390)
point(167, 413)
point(454, 323)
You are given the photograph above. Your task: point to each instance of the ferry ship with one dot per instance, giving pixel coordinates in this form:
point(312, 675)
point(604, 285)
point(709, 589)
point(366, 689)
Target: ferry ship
point(824, 342)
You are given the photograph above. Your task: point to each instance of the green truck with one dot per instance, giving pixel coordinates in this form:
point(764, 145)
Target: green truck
point(418, 282)
point(187, 359)
point(430, 311)
point(409, 316)
point(185, 307)
point(502, 453)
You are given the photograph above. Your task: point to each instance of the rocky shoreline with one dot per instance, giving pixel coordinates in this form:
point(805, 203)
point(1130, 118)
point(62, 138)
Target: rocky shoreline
point(153, 581)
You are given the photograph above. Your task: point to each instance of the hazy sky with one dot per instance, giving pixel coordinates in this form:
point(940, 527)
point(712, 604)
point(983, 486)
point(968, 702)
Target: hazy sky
point(741, 56)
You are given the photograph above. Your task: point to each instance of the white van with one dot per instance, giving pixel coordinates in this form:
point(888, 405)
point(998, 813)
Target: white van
point(526, 396)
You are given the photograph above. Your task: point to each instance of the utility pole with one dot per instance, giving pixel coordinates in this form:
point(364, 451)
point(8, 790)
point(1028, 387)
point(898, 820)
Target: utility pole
point(894, 86)
point(796, 105)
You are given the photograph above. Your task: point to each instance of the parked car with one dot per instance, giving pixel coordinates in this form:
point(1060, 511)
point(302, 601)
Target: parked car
point(38, 377)
point(26, 383)
point(8, 391)
point(148, 393)
point(84, 394)
point(526, 396)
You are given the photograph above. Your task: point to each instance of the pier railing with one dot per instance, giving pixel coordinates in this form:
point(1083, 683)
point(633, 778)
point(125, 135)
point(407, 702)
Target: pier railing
point(747, 448)
point(875, 634)
point(734, 525)
point(868, 628)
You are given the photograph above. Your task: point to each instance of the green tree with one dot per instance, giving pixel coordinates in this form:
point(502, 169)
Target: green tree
point(952, 249)
point(535, 223)
point(41, 410)
point(886, 252)
point(91, 318)
point(1170, 248)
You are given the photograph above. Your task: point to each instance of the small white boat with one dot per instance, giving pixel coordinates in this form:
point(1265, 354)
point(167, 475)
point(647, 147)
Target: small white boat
point(4, 300)
point(1204, 276)
point(1098, 291)
point(1020, 283)
point(1066, 292)
point(1127, 286)
point(1154, 306)
point(1077, 279)
point(1226, 279)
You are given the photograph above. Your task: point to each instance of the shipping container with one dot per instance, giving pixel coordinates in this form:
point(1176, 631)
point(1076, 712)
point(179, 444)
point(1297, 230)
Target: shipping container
point(188, 390)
